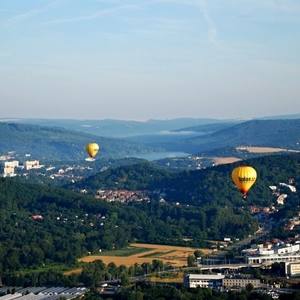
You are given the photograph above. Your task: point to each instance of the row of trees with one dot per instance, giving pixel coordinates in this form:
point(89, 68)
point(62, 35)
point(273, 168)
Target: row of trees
point(91, 276)
point(169, 292)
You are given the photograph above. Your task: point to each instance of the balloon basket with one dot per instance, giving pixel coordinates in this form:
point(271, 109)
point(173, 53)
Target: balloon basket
point(89, 159)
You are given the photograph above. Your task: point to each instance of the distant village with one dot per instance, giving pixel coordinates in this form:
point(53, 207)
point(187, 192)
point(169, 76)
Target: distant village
point(10, 167)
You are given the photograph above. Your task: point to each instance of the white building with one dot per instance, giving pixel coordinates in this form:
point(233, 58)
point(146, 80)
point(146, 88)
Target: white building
point(203, 281)
point(14, 164)
point(9, 172)
point(291, 187)
point(273, 251)
point(9, 168)
point(32, 164)
point(270, 259)
point(281, 199)
point(288, 249)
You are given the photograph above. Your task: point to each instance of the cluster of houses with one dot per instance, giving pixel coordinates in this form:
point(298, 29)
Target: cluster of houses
point(122, 196)
point(280, 191)
point(11, 167)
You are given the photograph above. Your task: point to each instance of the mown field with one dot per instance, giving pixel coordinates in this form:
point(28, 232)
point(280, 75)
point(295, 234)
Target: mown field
point(145, 253)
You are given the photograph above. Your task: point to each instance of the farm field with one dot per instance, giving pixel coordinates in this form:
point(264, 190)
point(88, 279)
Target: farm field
point(225, 160)
point(170, 278)
point(146, 253)
point(264, 149)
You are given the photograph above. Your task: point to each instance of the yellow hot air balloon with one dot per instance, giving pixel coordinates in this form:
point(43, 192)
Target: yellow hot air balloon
point(92, 149)
point(244, 177)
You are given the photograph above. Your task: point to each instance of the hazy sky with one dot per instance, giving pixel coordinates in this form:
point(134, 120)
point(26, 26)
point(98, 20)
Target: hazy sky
point(139, 59)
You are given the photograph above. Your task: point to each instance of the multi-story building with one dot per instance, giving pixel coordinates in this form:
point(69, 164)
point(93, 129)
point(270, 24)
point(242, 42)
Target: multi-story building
point(9, 168)
point(32, 164)
point(240, 283)
point(203, 281)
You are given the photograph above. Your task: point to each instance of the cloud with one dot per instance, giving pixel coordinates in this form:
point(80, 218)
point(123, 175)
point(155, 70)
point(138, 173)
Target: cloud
point(92, 16)
point(30, 13)
point(212, 28)
point(203, 6)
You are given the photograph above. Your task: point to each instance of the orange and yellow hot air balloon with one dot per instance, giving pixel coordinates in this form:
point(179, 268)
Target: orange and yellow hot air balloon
point(92, 150)
point(244, 177)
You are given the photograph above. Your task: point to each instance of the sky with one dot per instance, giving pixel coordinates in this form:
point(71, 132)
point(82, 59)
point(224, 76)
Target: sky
point(141, 59)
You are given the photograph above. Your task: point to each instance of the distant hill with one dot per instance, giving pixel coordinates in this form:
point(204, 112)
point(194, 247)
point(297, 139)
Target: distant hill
point(271, 133)
point(119, 128)
point(281, 117)
point(169, 137)
point(209, 128)
point(60, 144)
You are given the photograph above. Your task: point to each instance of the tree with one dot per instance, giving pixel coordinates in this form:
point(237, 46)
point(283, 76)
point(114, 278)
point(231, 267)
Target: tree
point(198, 253)
point(249, 287)
point(124, 279)
point(191, 261)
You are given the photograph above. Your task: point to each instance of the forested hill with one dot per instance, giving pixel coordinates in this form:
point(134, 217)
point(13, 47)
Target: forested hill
point(47, 143)
point(203, 186)
point(134, 177)
point(272, 133)
point(73, 224)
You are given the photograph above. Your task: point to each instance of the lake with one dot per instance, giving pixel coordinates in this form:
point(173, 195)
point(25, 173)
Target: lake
point(161, 155)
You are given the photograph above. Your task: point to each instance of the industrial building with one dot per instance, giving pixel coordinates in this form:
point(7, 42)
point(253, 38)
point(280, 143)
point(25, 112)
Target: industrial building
point(41, 293)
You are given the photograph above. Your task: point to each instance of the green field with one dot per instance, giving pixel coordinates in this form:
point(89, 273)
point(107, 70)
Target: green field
point(157, 254)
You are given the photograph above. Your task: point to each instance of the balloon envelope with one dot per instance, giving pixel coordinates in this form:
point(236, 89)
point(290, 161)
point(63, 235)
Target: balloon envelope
point(92, 149)
point(244, 177)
